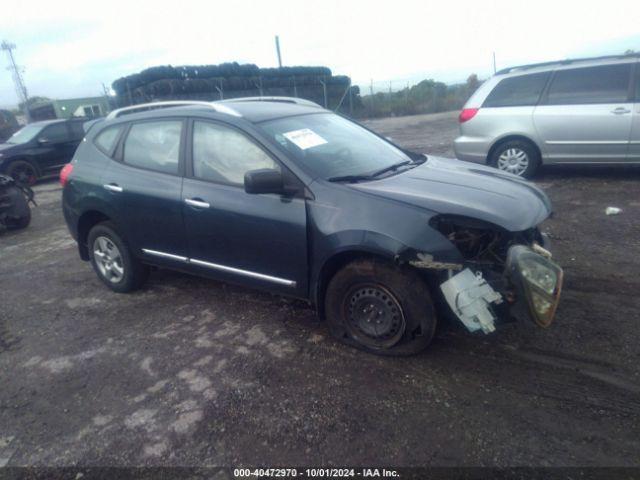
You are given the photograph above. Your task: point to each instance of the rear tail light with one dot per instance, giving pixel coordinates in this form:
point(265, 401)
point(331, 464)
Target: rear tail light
point(467, 114)
point(65, 173)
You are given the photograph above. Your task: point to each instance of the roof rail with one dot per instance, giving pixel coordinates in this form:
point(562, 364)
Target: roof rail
point(297, 101)
point(568, 61)
point(172, 103)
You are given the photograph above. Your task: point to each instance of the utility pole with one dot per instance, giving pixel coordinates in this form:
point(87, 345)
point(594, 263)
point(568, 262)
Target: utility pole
point(21, 89)
point(494, 63)
point(278, 51)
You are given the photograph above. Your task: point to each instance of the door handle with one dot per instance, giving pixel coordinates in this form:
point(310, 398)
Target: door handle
point(196, 202)
point(112, 187)
point(620, 111)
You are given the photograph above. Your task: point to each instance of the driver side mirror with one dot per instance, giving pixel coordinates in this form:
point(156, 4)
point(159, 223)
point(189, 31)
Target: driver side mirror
point(43, 140)
point(264, 181)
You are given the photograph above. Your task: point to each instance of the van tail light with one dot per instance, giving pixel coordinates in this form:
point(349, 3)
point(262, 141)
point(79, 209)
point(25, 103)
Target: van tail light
point(65, 173)
point(467, 114)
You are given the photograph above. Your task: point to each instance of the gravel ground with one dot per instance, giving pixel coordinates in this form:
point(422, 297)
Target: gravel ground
point(192, 372)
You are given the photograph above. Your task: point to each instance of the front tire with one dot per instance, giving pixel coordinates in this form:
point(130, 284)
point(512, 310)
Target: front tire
point(23, 172)
point(518, 157)
point(380, 308)
point(112, 260)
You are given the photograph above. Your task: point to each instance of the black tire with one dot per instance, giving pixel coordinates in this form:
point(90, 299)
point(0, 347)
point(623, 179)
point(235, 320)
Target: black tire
point(527, 148)
point(373, 291)
point(23, 171)
point(19, 223)
point(134, 273)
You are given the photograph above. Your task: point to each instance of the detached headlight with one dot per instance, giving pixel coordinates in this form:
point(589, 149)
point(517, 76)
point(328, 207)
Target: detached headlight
point(539, 279)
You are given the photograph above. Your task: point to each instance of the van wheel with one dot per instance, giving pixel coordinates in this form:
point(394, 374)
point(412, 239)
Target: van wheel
point(381, 308)
point(23, 172)
point(112, 260)
point(518, 157)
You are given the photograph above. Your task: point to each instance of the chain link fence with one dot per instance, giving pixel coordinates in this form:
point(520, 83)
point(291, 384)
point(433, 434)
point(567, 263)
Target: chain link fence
point(371, 100)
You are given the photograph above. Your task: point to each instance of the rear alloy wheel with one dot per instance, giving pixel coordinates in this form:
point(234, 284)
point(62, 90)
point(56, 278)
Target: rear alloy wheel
point(112, 260)
point(108, 259)
point(516, 157)
point(23, 172)
point(380, 307)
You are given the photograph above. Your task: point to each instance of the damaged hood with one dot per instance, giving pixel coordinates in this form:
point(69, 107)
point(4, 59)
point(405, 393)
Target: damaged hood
point(453, 187)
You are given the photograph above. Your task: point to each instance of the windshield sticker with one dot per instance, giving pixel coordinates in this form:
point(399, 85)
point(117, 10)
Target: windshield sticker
point(305, 138)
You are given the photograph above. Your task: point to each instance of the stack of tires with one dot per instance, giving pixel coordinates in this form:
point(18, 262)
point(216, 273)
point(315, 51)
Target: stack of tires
point(232, 80)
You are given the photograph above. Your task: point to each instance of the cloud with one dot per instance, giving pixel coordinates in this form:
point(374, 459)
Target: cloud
point(70, 48)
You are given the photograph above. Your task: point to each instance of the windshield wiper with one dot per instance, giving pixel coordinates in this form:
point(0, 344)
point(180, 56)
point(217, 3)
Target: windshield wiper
point(390, 168)
point(349, 178)
point(376, 173)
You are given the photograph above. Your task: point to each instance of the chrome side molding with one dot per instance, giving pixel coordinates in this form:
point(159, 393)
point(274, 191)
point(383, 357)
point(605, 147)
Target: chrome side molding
point(165, 255)
point(223, 268)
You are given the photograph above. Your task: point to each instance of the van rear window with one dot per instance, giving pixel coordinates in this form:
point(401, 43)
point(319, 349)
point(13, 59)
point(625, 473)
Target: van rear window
point(602, 84)
point(523, 90)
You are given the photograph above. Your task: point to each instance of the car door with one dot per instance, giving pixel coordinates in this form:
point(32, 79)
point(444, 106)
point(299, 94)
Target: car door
point(634, 140)
point(585, 114)
point(258, 240)
point(143, 186)
point(55, 147)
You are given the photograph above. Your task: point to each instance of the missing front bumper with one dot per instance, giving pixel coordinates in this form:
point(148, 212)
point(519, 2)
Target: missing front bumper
point(535, 285)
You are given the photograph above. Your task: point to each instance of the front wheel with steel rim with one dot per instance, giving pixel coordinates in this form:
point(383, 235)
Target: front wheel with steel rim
point(112, 260)
point(380, 307)
point(517, 157)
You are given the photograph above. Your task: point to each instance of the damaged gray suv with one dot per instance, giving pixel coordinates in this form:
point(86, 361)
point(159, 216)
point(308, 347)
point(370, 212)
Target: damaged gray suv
point(283, 195)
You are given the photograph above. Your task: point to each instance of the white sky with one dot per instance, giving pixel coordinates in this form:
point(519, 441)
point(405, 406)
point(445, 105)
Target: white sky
point(69, 47)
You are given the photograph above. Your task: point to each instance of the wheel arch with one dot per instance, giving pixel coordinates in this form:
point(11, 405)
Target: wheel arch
point(334, 264)
point(21, 158)
point(86, 222)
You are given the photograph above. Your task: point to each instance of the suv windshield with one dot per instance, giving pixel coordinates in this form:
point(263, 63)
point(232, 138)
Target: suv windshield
point(332, 147)
point(25, 134)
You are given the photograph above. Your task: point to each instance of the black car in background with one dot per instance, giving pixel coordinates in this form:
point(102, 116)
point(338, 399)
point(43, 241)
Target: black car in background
point(289, 197)
point(40, 149)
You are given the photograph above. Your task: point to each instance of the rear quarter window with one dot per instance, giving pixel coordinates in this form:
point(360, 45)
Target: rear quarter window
point(523, 90)
point(77, 132)
point(106, 140)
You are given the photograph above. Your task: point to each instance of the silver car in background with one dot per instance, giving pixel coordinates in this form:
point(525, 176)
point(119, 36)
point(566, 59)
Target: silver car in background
point(568, 112)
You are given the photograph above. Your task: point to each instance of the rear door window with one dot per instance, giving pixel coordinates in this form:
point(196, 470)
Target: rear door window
point(154, 145)
point(57, 133)
point(605, 84)
point(523, 90)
